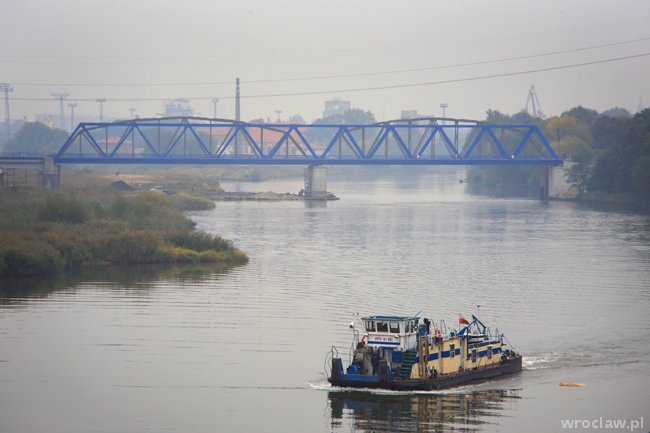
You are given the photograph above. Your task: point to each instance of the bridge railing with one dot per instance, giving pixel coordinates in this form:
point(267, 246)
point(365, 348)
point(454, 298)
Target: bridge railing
point(426, 141)
point(21, 155)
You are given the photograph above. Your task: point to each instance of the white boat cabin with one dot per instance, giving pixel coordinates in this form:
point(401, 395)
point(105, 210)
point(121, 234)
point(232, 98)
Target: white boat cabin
point(390, 332)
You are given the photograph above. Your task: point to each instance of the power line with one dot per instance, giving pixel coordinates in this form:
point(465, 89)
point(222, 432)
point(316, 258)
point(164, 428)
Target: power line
point(364, 89)
point(353, 51)
point(508, 59)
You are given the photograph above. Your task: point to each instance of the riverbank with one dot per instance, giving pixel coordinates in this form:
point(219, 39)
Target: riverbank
point(46, 232)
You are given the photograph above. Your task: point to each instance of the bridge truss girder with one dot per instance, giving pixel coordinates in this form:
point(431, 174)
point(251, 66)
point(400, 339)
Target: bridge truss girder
point(425, 141)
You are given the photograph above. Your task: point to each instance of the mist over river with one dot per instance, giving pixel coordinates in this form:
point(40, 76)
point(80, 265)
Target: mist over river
point(208, 349)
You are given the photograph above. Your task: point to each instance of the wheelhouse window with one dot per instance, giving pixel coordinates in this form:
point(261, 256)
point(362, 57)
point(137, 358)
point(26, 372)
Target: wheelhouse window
point(452, 350)
point(370, 326)
point(382, 326)
point(394, 327)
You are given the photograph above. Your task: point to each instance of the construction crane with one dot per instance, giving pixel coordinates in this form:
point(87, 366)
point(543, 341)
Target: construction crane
point(534, 102)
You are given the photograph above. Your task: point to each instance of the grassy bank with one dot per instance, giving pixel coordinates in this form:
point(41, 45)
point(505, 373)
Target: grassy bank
point(48, 232)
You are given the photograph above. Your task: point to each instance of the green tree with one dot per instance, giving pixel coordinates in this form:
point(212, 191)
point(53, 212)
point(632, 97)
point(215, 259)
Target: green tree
point(585, 115)
point(570, 146)
point(355, 116)
point(623, 166)
point(297, 118)
point(358, 116)
point(521, 118)
point(617, 112)
point(34, 137)
point(580, 171)
point(607, 130)
point(506, 180)
point(566, 125)
point(641, 175)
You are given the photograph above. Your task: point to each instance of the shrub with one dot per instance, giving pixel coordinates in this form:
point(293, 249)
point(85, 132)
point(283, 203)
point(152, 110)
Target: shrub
point(68, 243)
point(120, 208)
point(186, 202)
point(24, 255)
point(70, 232)
point(57, 207)
point(198, 241)
point(170, 253)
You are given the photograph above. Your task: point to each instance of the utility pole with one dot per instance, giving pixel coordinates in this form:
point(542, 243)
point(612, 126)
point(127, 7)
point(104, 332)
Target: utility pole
point(6, 87)
point(101, 109)
point(61, 97)
point(131, 110)
point(278, 112)
point(72, 115)
point(215, 101)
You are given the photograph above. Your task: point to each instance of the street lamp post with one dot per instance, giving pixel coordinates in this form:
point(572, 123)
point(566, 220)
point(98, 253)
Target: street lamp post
point(215, 101)
point(101, 108)
point(72, 115)
point(443, 106)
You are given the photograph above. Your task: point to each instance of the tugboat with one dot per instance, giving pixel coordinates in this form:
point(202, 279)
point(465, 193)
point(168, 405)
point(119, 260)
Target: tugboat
point(399, 353)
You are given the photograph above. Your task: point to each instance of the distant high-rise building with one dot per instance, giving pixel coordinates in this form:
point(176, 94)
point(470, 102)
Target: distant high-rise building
point(336, 106)
point(640, 108)
point(409, 114)
point(178, 108)
point(413, 114)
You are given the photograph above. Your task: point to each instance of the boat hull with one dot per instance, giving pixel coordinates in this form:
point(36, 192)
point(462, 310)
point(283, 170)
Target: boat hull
point(447, 381)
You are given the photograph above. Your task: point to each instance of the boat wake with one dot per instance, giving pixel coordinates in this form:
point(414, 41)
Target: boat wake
point(540, 362)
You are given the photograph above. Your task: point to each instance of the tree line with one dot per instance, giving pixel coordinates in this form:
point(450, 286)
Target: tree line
point(611, 152)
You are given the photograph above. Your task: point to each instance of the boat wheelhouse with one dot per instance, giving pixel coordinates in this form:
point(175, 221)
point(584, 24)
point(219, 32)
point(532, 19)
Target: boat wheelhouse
point(402, 353)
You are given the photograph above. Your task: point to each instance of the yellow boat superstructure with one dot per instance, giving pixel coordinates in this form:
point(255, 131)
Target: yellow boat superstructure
point(438, 355)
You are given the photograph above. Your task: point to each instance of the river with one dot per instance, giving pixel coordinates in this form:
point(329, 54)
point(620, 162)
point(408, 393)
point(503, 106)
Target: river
point(209, 349)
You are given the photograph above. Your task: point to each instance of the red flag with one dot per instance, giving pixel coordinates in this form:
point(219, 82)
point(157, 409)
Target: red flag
point(462, 321)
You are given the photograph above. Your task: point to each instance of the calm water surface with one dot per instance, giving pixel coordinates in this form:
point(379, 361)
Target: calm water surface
point(210, 349)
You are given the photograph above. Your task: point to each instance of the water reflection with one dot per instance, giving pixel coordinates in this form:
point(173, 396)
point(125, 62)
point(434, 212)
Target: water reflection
point(13, 291)
point(419, 412)
point(315, 204)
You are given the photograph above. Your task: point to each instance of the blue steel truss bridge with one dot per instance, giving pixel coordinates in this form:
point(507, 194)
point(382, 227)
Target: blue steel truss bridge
point(196, 140)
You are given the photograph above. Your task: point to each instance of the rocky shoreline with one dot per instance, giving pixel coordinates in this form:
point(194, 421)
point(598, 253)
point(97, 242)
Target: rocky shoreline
point(270, 196)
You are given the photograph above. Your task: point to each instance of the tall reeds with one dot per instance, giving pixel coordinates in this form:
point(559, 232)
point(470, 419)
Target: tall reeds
point(44, 233)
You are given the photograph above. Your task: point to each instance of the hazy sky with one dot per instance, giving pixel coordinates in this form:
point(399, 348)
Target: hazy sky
point(292, 56)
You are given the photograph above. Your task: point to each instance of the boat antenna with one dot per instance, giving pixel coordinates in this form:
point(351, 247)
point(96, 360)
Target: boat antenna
point(478, 311)
point(416, 315)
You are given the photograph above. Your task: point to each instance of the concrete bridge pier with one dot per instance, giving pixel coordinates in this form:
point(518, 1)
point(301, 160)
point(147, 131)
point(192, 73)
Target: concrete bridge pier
point(544, 173)
point(553, 182)
point(50, 177)
point(315, 182)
